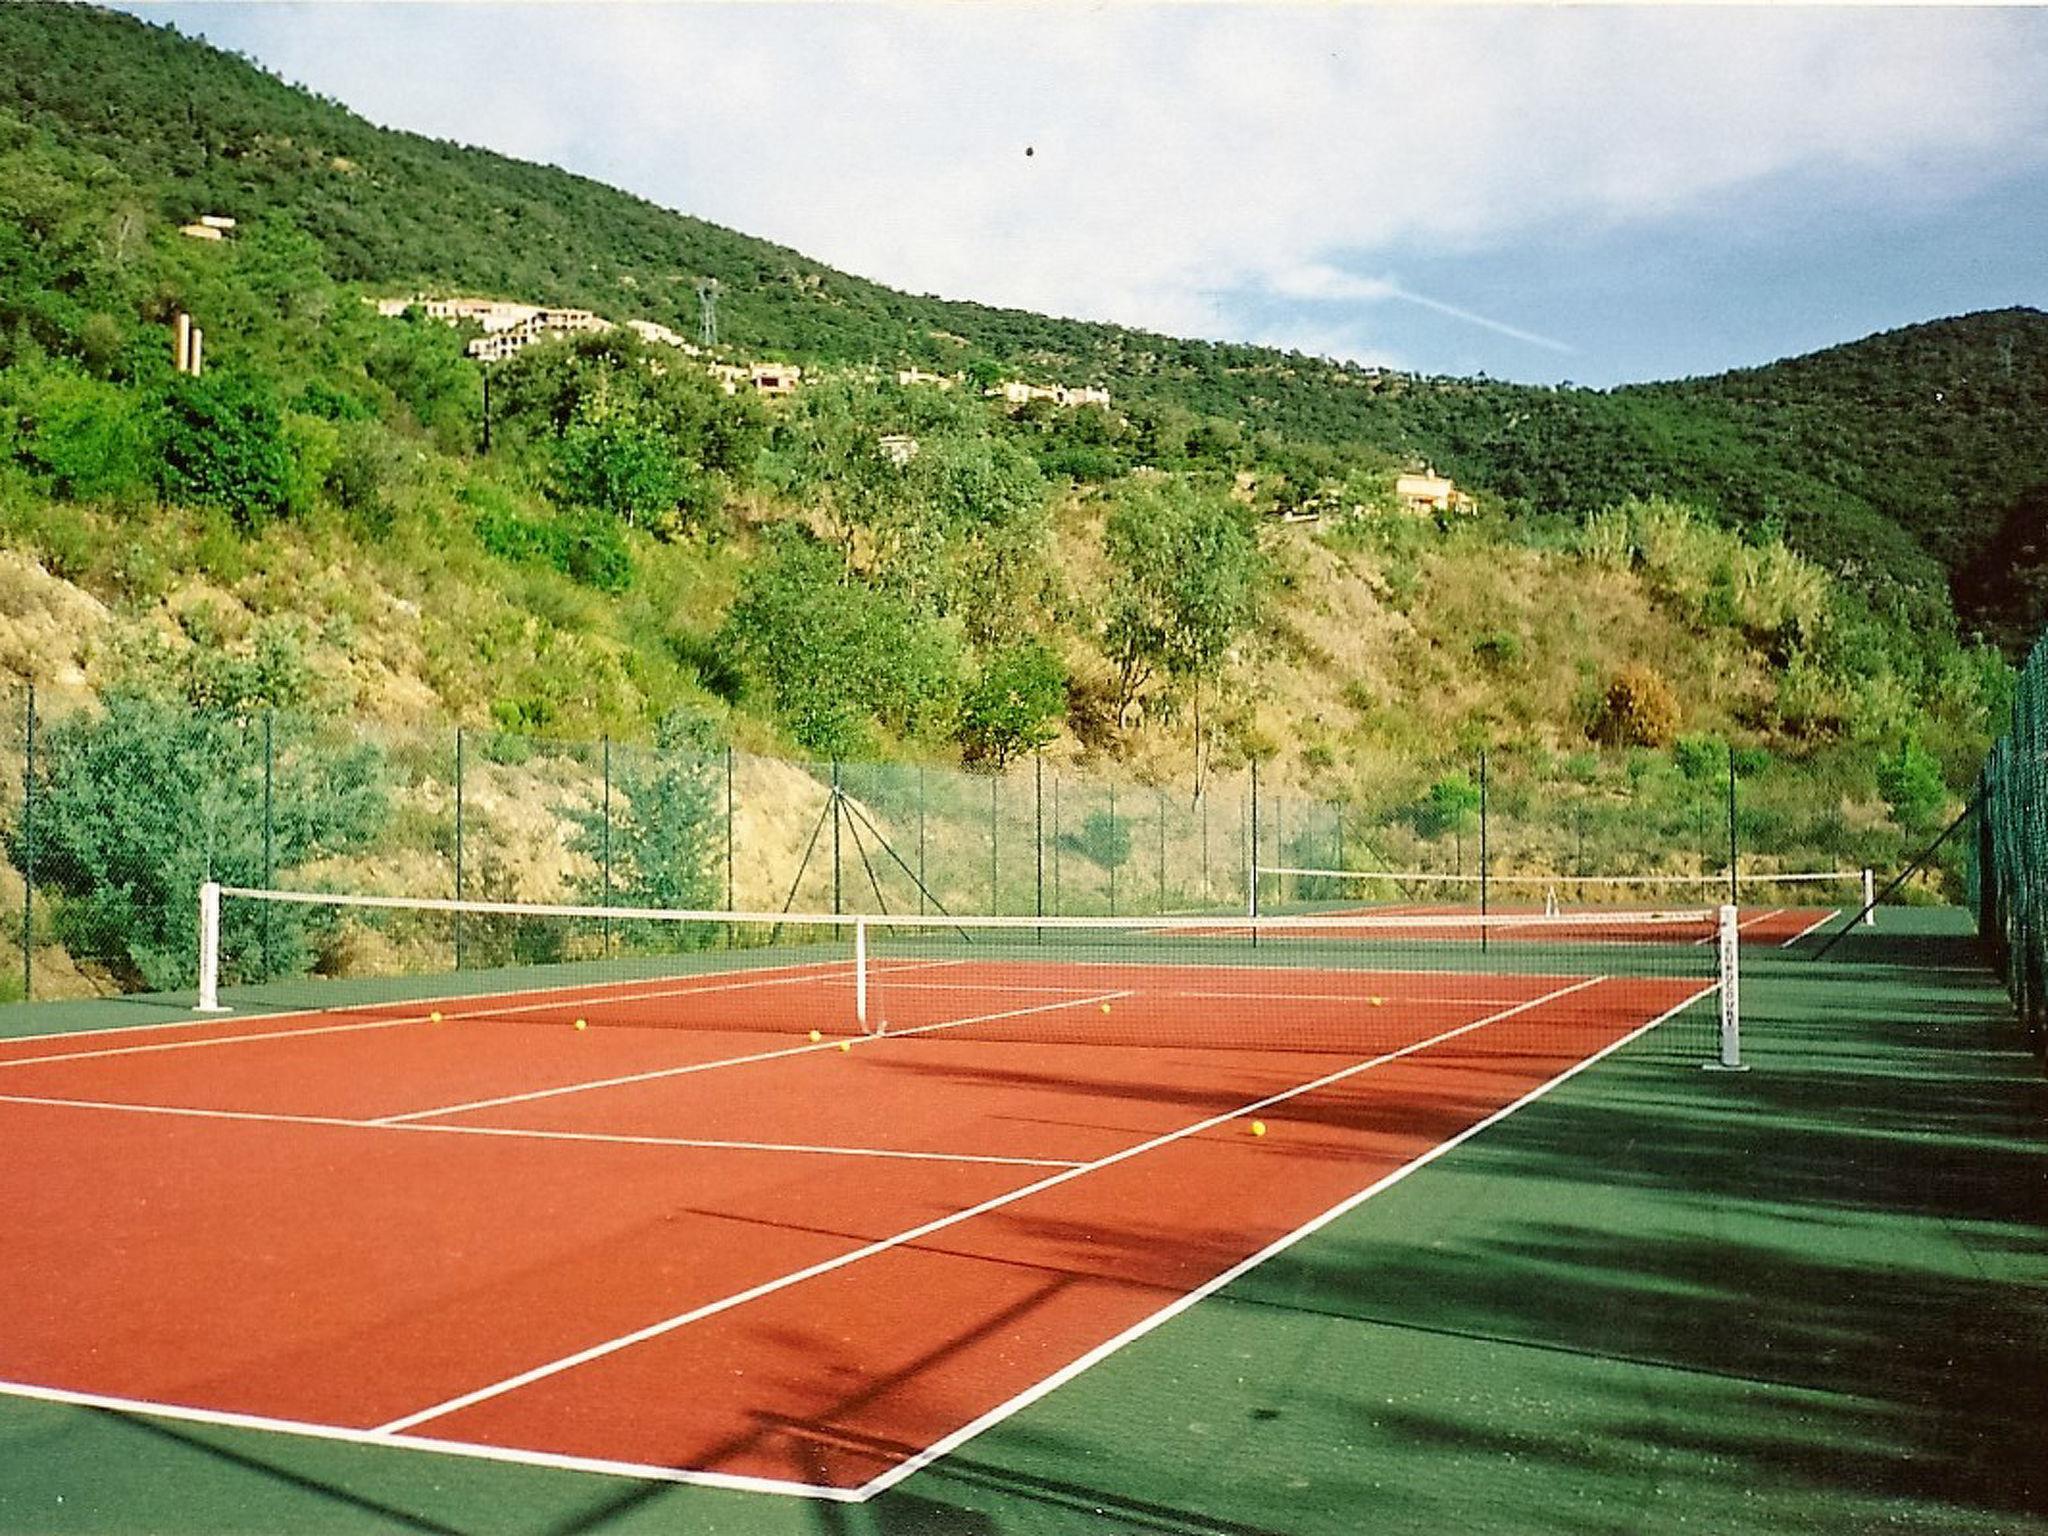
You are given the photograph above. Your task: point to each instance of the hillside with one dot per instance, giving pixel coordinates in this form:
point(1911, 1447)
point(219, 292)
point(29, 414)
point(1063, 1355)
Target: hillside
point(1211, 571)
point(1912, 458)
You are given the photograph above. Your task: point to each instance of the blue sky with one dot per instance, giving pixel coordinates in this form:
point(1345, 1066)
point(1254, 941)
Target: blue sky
point(1599, 194)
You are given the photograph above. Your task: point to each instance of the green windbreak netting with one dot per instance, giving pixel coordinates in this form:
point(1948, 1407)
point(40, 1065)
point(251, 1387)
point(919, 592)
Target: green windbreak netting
point(2009, 880)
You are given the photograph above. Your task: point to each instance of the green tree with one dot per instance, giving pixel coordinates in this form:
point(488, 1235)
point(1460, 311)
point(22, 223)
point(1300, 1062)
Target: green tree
point(1015, 704)
point(666, 829)
point(1912, 786)
point(610, 461)
point(140, 804)
point(223, 445)
point(837, 655)
point(1450, 806)
point(1189, 577)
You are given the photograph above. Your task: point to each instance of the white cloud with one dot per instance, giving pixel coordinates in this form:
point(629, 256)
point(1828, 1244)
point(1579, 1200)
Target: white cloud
point(1185, 158)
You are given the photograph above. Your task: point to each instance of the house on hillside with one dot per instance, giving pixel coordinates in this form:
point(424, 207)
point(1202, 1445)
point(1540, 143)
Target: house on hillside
point(899, 448)
point(908, 376)
point(1424, 490)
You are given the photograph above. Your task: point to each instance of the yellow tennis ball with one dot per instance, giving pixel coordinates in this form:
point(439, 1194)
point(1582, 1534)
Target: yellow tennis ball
point(1105, 1007)
point(1378, 1002)
point(816, 1037)
point(434, 1017)
point(1258, 1127)
point(846, 1045)
point(581, 1025)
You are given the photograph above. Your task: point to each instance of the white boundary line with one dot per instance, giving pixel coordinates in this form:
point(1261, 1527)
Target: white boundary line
point(471, 1449)
point(616, 1137)
point(959, 1437)
point(728, 1061)
point(1819, 922)
point(939, 1224)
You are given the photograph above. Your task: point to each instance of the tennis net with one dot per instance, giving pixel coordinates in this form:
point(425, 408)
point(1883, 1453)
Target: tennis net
point(1331, 983)
point(1288, 889)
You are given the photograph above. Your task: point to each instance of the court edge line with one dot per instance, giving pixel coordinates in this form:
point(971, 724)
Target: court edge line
point(229, 1419)
point(556, 1004)
point(696, 1314)
point(695, 1143)
point(426, 1005)
point(1818, 923)
point(947, 1444)
point(659, 1073)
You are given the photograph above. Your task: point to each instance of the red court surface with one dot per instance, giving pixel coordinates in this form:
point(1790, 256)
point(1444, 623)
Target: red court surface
point(722, 1253)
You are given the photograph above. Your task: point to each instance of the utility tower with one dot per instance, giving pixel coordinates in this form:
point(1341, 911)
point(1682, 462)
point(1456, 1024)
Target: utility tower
point(707, 311)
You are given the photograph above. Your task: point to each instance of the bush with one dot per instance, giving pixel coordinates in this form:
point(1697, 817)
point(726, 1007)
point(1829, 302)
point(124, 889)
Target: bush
point(667, 825)
point(1638, 710)
point(1015, 705)
point(1450, 806)
point(1105, 840)
point(139, 805)
point(838, 655)
point(1912, 787)
point(224, 446)
point(1700, 758)
point(584, 545)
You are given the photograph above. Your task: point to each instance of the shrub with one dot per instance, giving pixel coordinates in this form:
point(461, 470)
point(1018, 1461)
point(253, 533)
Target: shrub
point(1499, 649)
point(1638, 710)
point(1912, 787)
point(1450, 806)
point(1700, 758)
point(143, 802)
point(1105, 840)
point(224, 446)
point(1014, 705)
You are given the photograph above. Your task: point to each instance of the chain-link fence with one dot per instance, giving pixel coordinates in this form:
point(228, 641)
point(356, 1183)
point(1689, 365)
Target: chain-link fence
point(2009, 862)
point(116, 810)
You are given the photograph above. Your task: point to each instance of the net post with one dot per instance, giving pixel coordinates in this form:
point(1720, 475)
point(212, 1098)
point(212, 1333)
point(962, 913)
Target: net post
point(1728, 936)
point(1869, 897)
point(860, 973)
point(209, 949)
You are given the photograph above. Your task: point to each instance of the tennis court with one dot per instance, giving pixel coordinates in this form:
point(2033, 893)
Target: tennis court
point(621, 1210)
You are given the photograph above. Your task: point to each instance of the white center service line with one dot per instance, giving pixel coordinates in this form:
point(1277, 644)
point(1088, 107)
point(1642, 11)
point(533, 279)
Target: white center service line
point(731, 1061)
point(667, 1325)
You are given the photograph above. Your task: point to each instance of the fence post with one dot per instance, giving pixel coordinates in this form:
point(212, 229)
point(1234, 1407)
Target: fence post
point(1485, 849)
point(1058, 899)
point(458, 842)
point(28, 849)
point(920, 841)
point(994, 900)
point(269, 832)
point(1111, 849)
point(1734, 843)
point(835, 836)
point(1038, 829)
point(731, 888)
point(605, 844)
point(1251, 864)
point(1160, 796)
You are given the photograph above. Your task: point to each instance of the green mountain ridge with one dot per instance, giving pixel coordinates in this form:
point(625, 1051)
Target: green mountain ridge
point(1913, 461)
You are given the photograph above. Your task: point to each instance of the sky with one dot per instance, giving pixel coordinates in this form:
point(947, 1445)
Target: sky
point(1589, 194)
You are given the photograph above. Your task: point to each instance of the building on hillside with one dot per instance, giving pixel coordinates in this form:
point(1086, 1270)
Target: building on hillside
point(201, 232)
point(775, 378)
point(899, 448)
point(1425, 490)
point(1017, 392)
point(908, 376)
point(649, 331)
point(219, 221)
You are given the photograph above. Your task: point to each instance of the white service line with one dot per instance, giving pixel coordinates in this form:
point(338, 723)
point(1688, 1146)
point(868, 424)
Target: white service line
point(551, 1005)
point(959, 1437)
point(821, 1149)
point(940, 1224)
point(329, 1010)
point(727, 1061)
